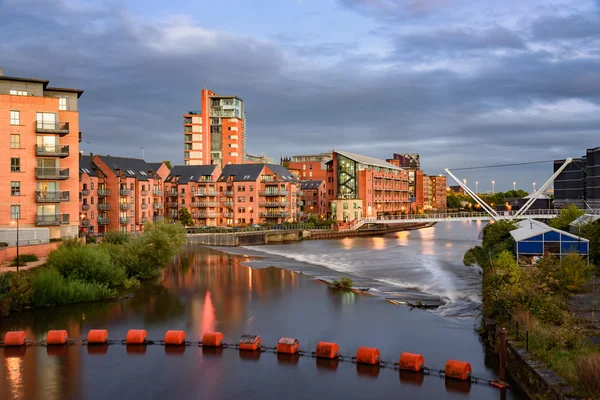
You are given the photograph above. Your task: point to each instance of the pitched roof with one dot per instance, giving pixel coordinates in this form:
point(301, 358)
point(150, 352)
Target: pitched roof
point(87, 166)
point(190, 173)
point(155, 165)
point(310, 185)
point(241, 172)
point(584, 219)
point(530, 227)
point(540, 197)
point(282, 172)
point(131, 167)
point(368, 160)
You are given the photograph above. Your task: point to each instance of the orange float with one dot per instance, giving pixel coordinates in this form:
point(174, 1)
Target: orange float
point(250, 342)
point(458, 370)
point(368, 355)
point(97, 336)
point(411, 362)
point(57, 337)
point(175, 338)
point(288, 346)
point(136, 336)
point(16, 338)
point(212, 339)
point(327, 350)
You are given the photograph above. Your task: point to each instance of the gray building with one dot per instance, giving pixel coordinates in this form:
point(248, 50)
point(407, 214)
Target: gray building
point(579, 182)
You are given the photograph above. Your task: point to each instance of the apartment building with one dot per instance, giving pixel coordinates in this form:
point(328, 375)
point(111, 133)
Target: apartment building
point(313, 199)
point(195, 188)
point(365, 187)
point(39, 126)
point(120, 194)
point(257, 193)
point(255, 159)
point(434, 192)
point(309, 167)
point(406, 160)
point(216, 133)
point(579, 182)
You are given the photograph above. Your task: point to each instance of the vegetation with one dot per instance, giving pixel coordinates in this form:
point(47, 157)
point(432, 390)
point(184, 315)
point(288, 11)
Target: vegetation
point(78, 273)
point(24, 259)
point(464, 201)
point(185, 217)
point(538, 296)
point(168, 164)
point(344, 283)
point(566, 216)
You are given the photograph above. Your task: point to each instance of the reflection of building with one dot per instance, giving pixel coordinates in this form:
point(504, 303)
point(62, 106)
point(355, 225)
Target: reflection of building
point(216, 134)
point(364, 187)
point(310, 167)
point(313, 199)
point(40, 155)
point(579, 182)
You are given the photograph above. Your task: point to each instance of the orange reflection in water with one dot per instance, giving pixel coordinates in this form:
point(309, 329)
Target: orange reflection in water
point(347, 243)
point(402, 237)
point(208, 314)
point(15, 377)
point(378, 243)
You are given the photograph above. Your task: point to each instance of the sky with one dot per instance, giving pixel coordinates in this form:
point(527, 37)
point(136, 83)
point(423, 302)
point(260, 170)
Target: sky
point(462, 83)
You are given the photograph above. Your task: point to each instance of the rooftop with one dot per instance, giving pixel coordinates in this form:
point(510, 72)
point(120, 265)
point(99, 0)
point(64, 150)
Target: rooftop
point(43, 82)
point(367, 160)
point(130, 167)
point(310, 185)
point(529, 228)
point(251, 172)
point(190, 173)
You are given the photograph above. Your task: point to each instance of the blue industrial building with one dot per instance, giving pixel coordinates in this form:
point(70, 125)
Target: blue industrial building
point(534, 239)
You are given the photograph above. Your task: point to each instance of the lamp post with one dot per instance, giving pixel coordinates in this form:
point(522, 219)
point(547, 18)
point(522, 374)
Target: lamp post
point(515, 186)
point(17, 239)
point(476, 187)
point(534, 186)
point(493, 187)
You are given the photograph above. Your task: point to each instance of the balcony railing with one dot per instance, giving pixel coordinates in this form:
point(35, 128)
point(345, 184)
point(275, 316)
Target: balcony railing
point(228, 214)
point(52, 173)
point(228, 203)
point(201, 193)
point(228, 193)
point(158, 218)
point(124, 220)
point(172, 204)
point(103, 206)
point(85, 207)
point(144, 220)
point(103, 192)
point(85, 222)
point(274, 203)
point(103, 220)
point(205, 214)
point(144, 206)
point(52, 150)
point(52, 127)
point(158, 206)
point(85, 192)
point(273, 192)
point(274, 215)
point(144, 193)
point(126, 192)
point(182, 194)
point(173, 193)
point(51, 197)
point(158, 193)
point(124, 206)
point(52, 219)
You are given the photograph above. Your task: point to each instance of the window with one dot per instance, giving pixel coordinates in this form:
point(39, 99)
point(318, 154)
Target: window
point(18, 92)
point(62, 104)
point(92, 211)
point(15, 118)
point(92, 200)
point(92, 185)
point(15, 141)
point(15, 164)
point(15, 188)
point(251, 199)
point(241, 199)
point(15, 212)
point(251, 189)
point(46, 120)
point(345, 206)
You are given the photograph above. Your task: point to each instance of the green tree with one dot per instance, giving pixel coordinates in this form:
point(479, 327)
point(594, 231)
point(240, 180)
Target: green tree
point(452, 201)
point(168, 164)
point(566, 216)
point(185, 217)
point(592, 233)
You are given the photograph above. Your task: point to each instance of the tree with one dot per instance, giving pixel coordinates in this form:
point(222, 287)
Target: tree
point(452, 201)
point(168, 164)
point(185, 217)
point(566, 216)
point(591, 232)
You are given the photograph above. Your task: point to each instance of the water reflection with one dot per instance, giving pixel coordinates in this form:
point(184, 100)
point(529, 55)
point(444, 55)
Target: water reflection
point(379, 243)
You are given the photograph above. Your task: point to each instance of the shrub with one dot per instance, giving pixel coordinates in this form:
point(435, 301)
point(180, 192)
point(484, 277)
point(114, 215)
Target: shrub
point(87, 264)
point(566, 216)
point(115, 237)
point(52, 240)
point(131, 283)
point(20, 290)
point(91, 239)
point(588, 372)
point(50, 288)
point(574, 272)
point(24, 259)
point(344, 283)
point(3, 244)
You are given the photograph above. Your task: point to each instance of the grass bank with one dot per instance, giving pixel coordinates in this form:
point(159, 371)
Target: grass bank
point(538, 296)
point(76, 272)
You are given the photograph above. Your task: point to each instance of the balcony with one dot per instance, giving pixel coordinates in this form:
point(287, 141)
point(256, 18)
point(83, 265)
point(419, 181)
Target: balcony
point(103, 220)
point(205, 204)
point(144, 193)
point(273, 193)
point(228, 203)
point(144, 206)
point(52, 151)
point(158, 218)
point(228, 214)
point(52, 173)
point(51, 197)
point(228, 193)
point(85, 222)
point(144, 220)
point(103, 206)
point(124, 206)
point(126, 192)
point(172, 193)
point(274, 203)
point(300, 203)
point(158, 193)
point(124, 220)
point(205, 215)
point(172, 204)
point(52, 127)
point(52, 219)
point(85, 192)
point(85, 207)
point(158, 206)
point(103, 192)
point(274, 215)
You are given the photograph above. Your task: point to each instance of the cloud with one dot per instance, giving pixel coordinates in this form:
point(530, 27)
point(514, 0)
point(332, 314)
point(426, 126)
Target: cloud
point(567, 27)
point(394, 9)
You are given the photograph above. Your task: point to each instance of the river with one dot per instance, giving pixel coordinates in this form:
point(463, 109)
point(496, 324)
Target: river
point(206, 289)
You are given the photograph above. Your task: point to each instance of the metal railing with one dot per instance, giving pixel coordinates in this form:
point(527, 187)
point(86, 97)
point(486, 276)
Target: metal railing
point(51, 127)
point(273, 193)
point(52, 173)
point(103, 192)
point(52, 219)
point(124, 220)
point(144, 206)
point(144, 193)
point(103, 206)
point(124, 206)
point(158, 206)
point(172, 204)
point(282, 227)
point(274, 203)
point(172, 193)
point(274, 215)
point(125, 192)
point(103, 220)
point(52, 150)
point(228, 204)
point(158, 218)
point(158, 193)
point(85, 192)
point(228, 215)
point(206, 214)
point(228, 193)
point(85, 207)
point(517, 327)
point(52, 197)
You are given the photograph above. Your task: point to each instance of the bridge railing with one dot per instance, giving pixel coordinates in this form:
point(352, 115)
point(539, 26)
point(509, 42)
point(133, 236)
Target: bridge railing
point(459, 215)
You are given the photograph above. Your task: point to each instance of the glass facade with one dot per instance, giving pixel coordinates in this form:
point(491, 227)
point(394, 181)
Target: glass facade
point(347, 179)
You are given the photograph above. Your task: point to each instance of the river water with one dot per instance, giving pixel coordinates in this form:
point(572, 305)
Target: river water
point(205, 289)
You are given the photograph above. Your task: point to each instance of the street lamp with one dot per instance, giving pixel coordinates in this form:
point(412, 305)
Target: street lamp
point(12, 222)
point(534, 186)
point(476, 187)
point(514, 185)
point(493, 187)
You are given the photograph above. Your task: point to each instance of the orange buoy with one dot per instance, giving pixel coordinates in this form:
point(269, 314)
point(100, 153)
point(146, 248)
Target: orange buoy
point(136, 336)
point(368, 355)
point(97, 336)
point(250, 342)
point(327, 350)
point(212, 339)
point(288, 345)
point(458, 370)
point(57, 337)
point(411, 362)
point(175, 338)
point(16, 338)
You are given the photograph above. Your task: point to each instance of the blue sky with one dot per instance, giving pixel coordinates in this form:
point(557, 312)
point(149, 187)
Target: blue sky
point(462, 83)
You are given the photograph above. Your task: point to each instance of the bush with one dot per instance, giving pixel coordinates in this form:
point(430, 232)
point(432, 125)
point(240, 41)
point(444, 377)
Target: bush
point(3, 244)
point(344, 283)
point(24, 259)
point(15, 292)
point(87, 264)
point(588, 372)
point(91, 239)
point(131, 283)
point(574, 272)
point(50, 288)
point(115, 237)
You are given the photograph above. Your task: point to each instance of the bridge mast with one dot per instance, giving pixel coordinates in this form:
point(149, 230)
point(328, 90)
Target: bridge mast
point(474, 196)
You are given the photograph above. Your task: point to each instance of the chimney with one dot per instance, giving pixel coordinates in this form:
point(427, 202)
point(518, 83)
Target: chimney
point(1, 72)
point(92, 155)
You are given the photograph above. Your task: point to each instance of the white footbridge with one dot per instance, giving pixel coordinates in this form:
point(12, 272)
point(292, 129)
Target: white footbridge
point(489, 213)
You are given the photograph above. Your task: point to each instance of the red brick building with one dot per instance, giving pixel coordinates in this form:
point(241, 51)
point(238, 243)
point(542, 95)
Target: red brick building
point(434, 192)
point(313, 199)
point(310, 167)
point(39, 127)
